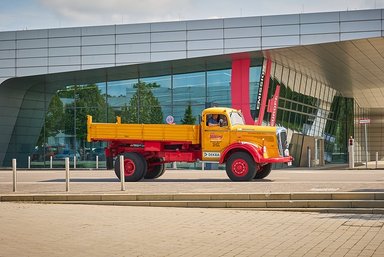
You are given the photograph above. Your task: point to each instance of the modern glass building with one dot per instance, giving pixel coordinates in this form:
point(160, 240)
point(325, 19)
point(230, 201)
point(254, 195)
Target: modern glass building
point(327, 68)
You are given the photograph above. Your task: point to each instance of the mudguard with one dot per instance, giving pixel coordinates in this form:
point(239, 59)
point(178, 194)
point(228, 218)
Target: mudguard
point(254, 150)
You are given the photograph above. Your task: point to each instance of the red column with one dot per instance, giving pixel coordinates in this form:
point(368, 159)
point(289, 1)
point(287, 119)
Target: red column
point(240, 88)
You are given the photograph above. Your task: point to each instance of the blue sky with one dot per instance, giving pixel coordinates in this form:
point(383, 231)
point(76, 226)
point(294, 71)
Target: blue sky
point(41, 14)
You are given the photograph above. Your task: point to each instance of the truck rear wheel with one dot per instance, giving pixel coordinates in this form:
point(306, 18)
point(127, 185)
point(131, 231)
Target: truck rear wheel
point(155, 171)
point(263, 171)
point(135, 167)
point(240, 167)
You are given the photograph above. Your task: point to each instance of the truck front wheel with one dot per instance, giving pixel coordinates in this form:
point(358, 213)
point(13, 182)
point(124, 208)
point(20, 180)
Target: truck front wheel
point(135, 167)
point(240, 167)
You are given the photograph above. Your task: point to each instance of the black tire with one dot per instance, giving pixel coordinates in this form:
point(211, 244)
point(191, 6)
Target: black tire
point(263, 171)
point(135, 167)
point(241, 167)
point(109, 163)
point(154, 171)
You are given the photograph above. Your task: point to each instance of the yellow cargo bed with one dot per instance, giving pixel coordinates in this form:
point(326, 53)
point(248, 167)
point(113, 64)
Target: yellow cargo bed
point(142, 132)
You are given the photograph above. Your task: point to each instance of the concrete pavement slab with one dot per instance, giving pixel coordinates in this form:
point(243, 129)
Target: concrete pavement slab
point(80, 230)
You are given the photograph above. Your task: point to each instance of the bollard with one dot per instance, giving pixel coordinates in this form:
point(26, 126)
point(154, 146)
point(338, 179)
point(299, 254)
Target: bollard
point(29, 162)
point(14, 174)
point(377, 158)
point(74, 162)
point(202, 166)
point(97, 162)
point(122, 177)
point(50, 162)
point(309, 156)
point(67, 174)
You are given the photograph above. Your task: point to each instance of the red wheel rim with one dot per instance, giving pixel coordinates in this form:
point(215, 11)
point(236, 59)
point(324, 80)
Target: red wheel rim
point(239, 167)
point(129, 167)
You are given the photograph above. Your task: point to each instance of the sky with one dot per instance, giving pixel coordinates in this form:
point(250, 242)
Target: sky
point(43, 14)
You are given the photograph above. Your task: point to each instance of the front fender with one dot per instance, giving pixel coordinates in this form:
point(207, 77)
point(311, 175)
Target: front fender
point(254, 150)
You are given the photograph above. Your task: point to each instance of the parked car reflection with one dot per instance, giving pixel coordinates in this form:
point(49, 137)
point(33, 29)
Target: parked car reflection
point(67, 153)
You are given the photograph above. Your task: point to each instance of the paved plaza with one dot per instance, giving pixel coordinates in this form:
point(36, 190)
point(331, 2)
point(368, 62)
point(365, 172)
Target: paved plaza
point(195, 181)
point(80, 230)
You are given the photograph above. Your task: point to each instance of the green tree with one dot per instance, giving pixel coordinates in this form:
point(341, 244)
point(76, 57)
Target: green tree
point(53, 119)
point(188, 116)
point(144, 107)
point(87, 101)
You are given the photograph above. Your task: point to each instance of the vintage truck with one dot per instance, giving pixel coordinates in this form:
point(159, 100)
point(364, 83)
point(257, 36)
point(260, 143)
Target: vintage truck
point(248, 151)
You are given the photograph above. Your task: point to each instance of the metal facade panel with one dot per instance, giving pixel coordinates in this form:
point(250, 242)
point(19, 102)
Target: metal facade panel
point(280, 19)
point(133, 38)
point(319, 17)
point(205, 34)
point(357, 26)
point(25, 53)
point(64, 61)
point(133, 58)
point(167, 46)
point(64, 51)
point(30, 71)
point(360, 15)
point(98, 30)
point(242, 32)
point(133, 28)
point(98, 40)
point(319, 28)
point(7, 35)
point(199, 53)
point(163, 56)
point(63, 42)
point(133, 48)
point(359, 35)
point(168, 26)
point(31, 43)
point(98, 59)
point(7, 72)
point(31, 62)
point(243, 42)
point(9, 44)
point(283, 30)
point(205, 24)
point(6, 54)
point(32, 34)
point(63, 68)
point(204, 44)
point(98, 50)
point(168, 36)
point(280, 41)
point(242, 22)
point(319, 38)
point(64, 32)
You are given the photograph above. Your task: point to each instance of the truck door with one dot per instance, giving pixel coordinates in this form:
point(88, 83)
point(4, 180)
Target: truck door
point(215, 136)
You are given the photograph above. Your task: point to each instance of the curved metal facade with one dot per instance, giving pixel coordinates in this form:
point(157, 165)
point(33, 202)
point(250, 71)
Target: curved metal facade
point(37, 61)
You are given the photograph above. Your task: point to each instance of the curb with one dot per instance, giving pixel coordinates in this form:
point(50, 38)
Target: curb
point(347, 202)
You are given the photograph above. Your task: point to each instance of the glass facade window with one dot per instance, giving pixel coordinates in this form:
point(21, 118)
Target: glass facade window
point(309, 109)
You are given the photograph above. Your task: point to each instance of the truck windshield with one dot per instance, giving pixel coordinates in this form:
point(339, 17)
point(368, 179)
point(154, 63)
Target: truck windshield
point(236, 118)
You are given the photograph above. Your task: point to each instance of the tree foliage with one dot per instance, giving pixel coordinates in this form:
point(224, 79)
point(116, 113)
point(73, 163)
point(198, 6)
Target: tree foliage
point(143, 107)
point(188, 116)
point(87, 101)
point(53, 119)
